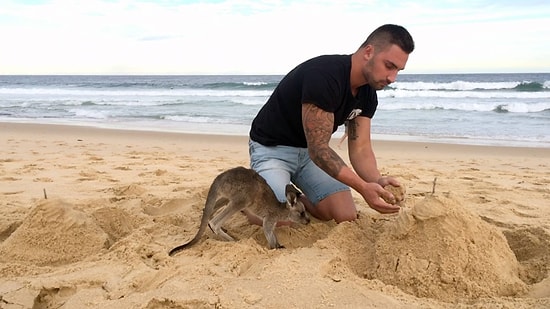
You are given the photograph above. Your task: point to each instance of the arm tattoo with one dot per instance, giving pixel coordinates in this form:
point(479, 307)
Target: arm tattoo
point(352, 129)
point(318, 130)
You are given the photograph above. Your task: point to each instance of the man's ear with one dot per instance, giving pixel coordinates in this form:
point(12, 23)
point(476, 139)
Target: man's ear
point(368, 52)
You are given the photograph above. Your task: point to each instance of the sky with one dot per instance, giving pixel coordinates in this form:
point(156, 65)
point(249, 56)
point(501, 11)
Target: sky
point(265, 36)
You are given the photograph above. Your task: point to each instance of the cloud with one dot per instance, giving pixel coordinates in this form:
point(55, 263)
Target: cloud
point(243, 36)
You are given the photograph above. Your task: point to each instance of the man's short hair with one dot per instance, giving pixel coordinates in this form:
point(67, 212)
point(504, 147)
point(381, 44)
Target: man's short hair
point(389, 34)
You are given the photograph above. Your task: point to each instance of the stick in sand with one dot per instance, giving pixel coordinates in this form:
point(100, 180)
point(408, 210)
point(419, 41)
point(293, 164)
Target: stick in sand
point(433, 187)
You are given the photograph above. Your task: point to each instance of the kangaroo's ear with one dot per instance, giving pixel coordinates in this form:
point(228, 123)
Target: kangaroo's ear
point(292, 194)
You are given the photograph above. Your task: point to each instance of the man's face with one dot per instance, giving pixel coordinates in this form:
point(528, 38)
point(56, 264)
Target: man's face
point(382, 66)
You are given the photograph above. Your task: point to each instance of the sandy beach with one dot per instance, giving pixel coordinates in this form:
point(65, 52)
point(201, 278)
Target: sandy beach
point(88, 215)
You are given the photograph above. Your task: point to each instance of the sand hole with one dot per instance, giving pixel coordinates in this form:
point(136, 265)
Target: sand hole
point(116, 222)
point(156, 303)
point(7, 228)
point(291, 237)
point(297, 236)
point(53, 297)
point(531, 247)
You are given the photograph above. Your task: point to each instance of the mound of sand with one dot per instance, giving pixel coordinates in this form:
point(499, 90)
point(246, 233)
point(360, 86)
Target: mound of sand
point(436, 249)
point(54, 233)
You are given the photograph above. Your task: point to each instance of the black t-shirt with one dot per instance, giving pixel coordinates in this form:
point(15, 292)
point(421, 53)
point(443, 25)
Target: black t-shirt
point(323, 81)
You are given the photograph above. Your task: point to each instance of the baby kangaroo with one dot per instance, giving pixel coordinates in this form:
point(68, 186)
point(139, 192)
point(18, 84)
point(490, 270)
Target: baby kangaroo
point(238, 189)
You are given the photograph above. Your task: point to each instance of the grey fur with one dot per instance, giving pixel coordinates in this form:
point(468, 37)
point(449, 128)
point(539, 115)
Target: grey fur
point(241, 188)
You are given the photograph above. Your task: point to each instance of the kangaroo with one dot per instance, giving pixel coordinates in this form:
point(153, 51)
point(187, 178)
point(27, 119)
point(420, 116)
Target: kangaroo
point(241, 188)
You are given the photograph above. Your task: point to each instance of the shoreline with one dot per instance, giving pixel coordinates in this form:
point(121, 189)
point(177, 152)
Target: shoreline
point(377, 138)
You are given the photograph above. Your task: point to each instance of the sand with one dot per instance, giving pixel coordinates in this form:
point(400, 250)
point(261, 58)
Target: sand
point(87, 217)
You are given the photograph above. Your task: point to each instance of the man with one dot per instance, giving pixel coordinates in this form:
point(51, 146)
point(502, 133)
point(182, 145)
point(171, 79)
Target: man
point(289, 137)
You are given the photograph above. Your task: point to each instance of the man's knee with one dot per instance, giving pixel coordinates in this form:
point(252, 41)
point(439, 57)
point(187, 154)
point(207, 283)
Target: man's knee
point(339, 206)
point(335, 213)
point(345, 215)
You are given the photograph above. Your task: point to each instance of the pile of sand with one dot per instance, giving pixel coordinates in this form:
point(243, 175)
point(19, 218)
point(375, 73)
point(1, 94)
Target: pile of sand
point(434, 248)
point(54, 233)
point(441, 250)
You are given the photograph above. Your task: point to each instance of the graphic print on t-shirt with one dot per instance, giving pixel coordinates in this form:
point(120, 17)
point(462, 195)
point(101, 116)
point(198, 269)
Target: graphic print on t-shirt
point(354, 113)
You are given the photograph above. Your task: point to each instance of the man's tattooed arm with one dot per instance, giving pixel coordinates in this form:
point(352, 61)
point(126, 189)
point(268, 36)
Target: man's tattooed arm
point(352, 129)
point(318, 130)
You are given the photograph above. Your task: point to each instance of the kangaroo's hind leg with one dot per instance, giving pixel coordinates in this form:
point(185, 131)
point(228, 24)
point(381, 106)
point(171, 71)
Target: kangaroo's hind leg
point(269, 232)
point(218, 220)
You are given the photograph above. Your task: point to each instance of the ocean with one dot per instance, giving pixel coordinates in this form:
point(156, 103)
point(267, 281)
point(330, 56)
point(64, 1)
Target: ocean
point(480, 109)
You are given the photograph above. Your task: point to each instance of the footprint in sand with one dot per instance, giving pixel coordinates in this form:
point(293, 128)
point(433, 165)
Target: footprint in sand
point(89, 174)
point(42, 179)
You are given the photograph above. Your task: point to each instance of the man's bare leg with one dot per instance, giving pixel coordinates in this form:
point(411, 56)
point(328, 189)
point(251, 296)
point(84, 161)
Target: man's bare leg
point(338, 206)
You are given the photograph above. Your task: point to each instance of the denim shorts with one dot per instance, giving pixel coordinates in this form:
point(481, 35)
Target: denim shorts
point(281, 165)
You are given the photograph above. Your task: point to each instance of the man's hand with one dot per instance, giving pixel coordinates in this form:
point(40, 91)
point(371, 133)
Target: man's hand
point(376, 197)
point(394, 187)
point(384, 181)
